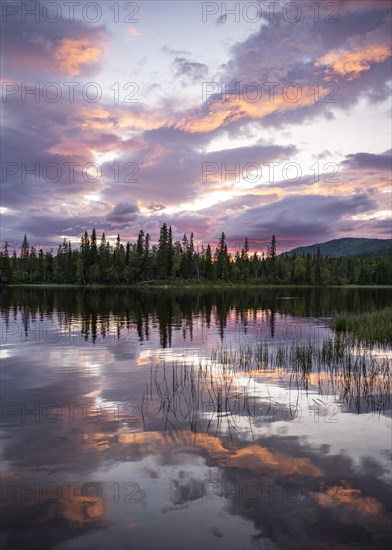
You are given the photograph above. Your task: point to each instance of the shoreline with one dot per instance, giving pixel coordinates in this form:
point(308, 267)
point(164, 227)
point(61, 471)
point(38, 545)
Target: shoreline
point(188, 286)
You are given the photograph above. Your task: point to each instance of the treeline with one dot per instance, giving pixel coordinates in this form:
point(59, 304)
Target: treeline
point(98, 262)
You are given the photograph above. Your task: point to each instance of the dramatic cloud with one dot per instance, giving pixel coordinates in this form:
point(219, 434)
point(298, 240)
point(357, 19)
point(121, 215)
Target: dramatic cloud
point(35, 50)
point(189, 150)
point(323, 217)
point(72, 55)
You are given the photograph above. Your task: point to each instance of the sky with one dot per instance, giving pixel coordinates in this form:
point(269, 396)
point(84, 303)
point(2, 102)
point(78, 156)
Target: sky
point(252, 118)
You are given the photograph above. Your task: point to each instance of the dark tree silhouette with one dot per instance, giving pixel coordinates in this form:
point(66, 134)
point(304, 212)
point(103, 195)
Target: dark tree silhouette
point(142, 262)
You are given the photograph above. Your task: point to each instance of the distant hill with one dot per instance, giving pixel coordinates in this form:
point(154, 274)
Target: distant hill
point(348, 247)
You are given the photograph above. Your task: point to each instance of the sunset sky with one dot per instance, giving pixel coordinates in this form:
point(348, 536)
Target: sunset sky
point(310, 97)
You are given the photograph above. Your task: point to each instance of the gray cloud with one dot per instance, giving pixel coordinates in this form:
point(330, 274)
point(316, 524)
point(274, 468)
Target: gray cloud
point(369, 160)
point(123, 212)
point(192, 70)
point(286, 217)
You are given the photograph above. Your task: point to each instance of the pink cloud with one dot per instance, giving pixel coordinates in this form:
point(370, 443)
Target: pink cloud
point(351, 64)
point(73, 55)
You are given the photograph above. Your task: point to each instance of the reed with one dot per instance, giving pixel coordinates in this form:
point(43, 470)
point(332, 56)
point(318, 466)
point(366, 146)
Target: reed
point(209, 395)
point(370, 328)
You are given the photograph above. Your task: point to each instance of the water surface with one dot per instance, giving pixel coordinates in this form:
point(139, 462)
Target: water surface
point(130, 419)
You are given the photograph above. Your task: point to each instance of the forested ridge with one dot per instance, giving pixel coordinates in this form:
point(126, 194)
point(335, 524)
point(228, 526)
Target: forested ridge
point(96, 261)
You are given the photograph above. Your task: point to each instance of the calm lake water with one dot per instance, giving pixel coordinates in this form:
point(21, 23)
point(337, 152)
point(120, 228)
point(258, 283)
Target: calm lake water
point(172, 420)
